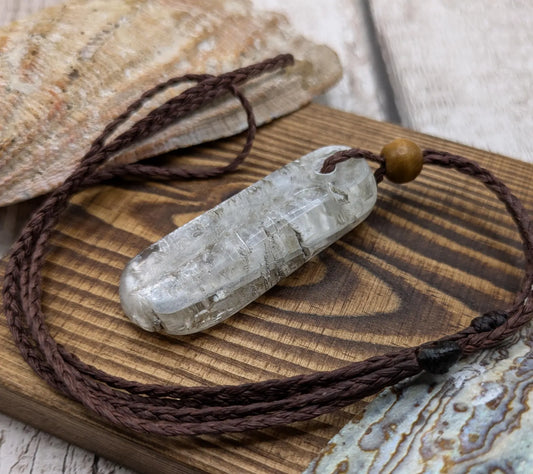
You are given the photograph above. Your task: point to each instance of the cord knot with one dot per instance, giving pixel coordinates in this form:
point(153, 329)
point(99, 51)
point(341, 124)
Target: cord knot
point(489, 321)
point(437, 357)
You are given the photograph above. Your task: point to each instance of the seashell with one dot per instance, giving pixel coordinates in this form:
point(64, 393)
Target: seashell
point(478, 414)
point(68, 70)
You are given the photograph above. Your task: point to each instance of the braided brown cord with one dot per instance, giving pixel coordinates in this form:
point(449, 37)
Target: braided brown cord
point(178, 410)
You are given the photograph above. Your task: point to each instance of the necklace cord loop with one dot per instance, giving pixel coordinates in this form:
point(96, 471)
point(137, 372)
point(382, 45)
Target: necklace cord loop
point(172, 410)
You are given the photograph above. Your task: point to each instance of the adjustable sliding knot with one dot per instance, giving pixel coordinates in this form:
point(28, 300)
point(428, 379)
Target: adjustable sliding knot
point(400, 161)
point(489, 321)
point(437, 357)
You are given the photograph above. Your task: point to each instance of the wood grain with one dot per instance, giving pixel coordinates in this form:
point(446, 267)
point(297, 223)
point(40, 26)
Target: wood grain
point(24, 449)
point(434, 254)
point(462, 70)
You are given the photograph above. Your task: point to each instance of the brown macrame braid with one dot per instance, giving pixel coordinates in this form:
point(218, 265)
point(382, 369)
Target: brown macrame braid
point(178, 410)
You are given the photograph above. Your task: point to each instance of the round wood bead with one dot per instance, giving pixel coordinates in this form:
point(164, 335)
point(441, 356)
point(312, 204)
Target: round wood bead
point(403, 160)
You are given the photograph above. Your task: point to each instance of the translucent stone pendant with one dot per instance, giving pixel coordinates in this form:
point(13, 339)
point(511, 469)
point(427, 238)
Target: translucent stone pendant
point(215, 265)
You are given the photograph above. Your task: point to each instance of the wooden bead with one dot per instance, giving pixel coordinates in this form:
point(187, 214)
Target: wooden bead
point(403, 160)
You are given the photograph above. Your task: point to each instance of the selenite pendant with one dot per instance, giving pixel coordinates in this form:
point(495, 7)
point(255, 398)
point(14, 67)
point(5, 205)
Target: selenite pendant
point(215, 265)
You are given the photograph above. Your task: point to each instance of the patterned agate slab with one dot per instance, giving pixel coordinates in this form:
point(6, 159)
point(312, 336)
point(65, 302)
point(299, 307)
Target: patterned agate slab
point(212, 267)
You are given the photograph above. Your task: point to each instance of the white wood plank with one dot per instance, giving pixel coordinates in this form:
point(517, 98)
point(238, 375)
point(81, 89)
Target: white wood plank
point(341, 25)
point(462, 70)
point(24, 449)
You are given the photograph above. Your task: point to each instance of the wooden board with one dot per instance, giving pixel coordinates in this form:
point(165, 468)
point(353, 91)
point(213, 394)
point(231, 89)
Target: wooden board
point(432, 255)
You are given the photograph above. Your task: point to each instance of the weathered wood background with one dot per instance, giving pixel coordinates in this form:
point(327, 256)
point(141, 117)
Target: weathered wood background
point(461, 70)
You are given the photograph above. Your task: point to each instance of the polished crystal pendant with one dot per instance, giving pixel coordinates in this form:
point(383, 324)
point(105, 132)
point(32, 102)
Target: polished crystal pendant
point(210, 268)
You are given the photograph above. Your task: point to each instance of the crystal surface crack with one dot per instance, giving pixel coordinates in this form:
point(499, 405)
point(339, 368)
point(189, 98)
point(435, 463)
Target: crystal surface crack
point(299, 237)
